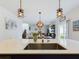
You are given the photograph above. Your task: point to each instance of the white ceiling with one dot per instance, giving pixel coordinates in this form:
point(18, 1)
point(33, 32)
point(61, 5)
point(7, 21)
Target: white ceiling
point(32, 7)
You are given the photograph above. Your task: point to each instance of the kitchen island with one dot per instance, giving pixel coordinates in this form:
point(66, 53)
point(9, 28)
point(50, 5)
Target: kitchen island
point(16, 46)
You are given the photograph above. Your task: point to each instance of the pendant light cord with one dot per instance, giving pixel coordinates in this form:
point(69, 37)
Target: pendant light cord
point(39, 15)
point(59, 3)
point(20, 4)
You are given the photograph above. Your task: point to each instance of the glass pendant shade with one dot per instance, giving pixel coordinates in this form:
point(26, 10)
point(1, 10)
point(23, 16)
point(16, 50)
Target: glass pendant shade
point(20, 12)
point(60, 12)
point(40, 24)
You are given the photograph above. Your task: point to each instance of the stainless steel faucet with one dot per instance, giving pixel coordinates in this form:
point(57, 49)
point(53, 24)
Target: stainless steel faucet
point(42, 41)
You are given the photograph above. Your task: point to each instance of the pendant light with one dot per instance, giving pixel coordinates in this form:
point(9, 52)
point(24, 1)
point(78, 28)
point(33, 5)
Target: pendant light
point(59, 11)
point(20, 10)
point(40, 24)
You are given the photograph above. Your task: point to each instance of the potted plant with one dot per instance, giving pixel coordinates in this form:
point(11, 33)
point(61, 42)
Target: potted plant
point(35, 36)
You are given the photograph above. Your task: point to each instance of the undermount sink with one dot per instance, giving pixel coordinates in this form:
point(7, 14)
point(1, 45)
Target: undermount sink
point(44, 46)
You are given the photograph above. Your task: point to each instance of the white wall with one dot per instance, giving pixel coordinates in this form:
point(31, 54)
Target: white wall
point(9, 33)
point(73, 15)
